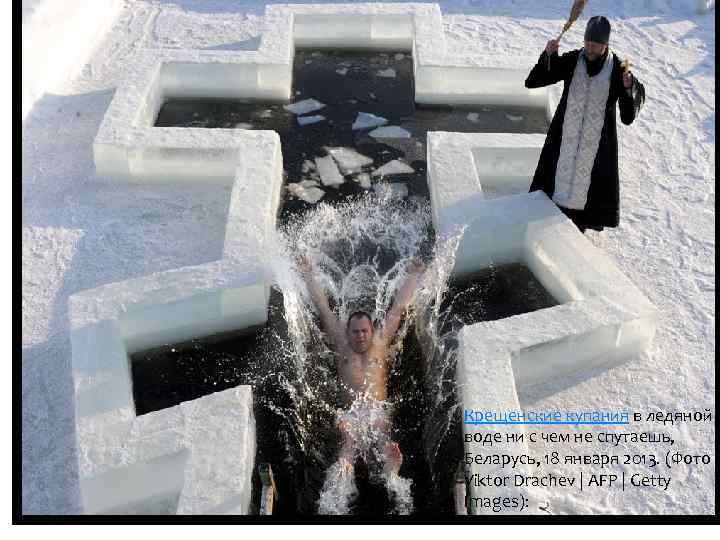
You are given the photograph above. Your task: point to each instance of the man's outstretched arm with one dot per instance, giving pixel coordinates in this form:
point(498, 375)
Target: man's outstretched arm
point(402, 300)
point(327, 317)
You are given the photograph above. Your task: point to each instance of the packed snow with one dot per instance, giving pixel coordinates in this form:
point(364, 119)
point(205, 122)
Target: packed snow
point(80, 231)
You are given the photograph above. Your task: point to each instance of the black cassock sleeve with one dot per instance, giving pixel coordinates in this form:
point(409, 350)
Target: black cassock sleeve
point(631, 102)
point(561, 68)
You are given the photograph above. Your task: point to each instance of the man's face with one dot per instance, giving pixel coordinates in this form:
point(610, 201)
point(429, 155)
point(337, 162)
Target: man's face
point(360, 333)
point(593, 50)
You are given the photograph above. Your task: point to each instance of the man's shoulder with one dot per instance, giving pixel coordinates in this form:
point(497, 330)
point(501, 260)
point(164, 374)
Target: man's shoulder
point(572, 55)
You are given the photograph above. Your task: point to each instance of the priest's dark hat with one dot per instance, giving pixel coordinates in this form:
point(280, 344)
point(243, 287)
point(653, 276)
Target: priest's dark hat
point(598, 30)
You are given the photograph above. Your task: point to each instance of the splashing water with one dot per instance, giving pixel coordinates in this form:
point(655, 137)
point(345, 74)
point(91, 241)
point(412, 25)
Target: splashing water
point(360, 251)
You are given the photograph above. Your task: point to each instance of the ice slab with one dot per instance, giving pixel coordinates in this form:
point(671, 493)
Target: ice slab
point(304, 106)
point(393, 191)
point(393, 167)
point(388, 73)
point(390, 132)
point(329, 172)
point(307, 120)
point(349, 160)
point(306, 191)
point(173, 461)
point(473, 116)
point(367, 120)
point(342, 71)
point(364, 180)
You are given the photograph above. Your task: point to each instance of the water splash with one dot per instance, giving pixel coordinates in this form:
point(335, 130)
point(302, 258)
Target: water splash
point(360, 250)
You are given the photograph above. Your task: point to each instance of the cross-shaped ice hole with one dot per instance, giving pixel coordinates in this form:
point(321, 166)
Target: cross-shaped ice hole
point(108, 322)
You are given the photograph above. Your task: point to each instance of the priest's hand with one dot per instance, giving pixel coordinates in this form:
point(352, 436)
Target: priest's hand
point(552, 46)
point(628, 79)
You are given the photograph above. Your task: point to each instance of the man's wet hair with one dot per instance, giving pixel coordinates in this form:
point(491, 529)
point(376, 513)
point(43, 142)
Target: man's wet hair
point(356, 314)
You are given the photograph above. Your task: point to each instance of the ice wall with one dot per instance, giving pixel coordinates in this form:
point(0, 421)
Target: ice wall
point(128, 148)
point(603, 318)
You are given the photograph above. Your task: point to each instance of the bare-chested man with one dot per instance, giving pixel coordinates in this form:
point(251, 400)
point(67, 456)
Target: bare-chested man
point(362, 361)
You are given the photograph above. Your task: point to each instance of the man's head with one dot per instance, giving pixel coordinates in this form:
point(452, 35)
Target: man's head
point(597, 37)
point(360, 331)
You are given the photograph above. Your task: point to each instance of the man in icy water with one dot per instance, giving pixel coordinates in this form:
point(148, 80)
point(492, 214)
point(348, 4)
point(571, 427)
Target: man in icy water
point(363, 356)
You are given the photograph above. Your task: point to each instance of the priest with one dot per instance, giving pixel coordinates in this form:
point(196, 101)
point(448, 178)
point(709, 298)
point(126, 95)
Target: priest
point(578, 167)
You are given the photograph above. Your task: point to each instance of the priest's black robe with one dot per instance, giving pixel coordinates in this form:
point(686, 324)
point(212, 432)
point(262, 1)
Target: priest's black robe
point(603, 200)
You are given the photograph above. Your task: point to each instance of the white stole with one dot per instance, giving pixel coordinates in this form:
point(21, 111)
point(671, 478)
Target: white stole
point(582, 125)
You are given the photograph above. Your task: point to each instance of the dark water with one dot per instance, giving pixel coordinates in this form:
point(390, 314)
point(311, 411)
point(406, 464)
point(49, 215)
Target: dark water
point(168, 375)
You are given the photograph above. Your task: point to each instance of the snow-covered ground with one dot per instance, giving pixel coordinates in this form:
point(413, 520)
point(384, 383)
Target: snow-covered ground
point(79, 231)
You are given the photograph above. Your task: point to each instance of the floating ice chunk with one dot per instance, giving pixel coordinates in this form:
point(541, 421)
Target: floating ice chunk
point(304, 106)
point(366, 120)
point(267, 113)
point(329, 173)
point(473, 116)
point(372, 96)
point(394, 167)
point(399, 56)
point(389, 72)
point(243, 125)
point(349, 160)
point(309, 183)
point(393, 191)
point(308, 166)
point(310, 194)
point(352, 101)
point(390, 132)
point(316, 54)
point(513, 118)
point(364, 180)
point(306, 120)
point(342, 71)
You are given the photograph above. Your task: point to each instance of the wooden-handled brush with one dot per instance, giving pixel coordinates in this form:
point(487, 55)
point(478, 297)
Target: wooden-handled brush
point(575, 12)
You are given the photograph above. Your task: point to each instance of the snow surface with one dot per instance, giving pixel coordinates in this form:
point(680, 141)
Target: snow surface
point(79, 231)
